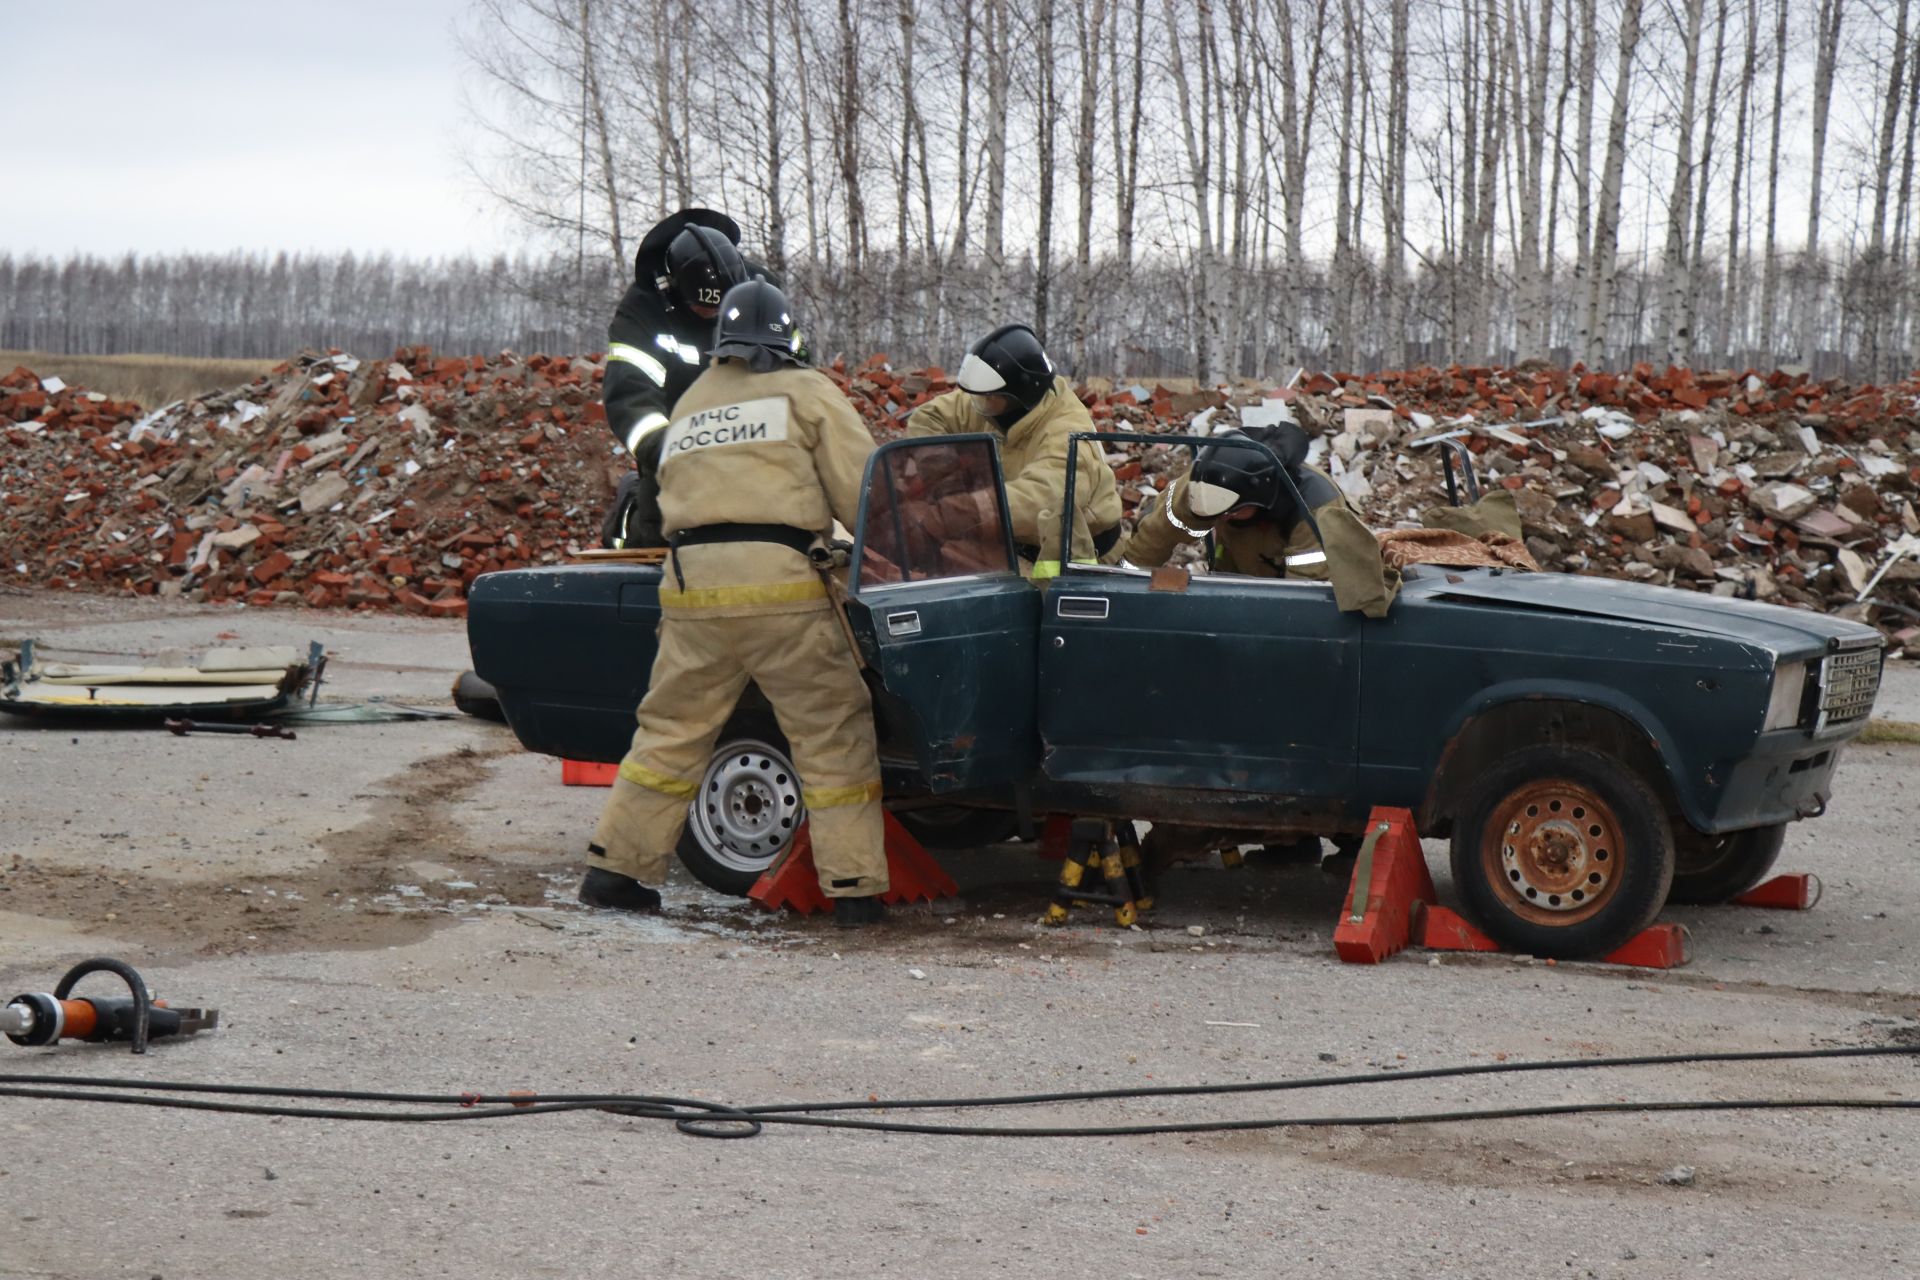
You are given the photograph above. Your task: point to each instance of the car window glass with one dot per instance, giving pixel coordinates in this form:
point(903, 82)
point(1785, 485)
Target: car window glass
point(933, 511)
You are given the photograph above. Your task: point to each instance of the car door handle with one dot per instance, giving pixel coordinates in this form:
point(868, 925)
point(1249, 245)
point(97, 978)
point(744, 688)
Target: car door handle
point(1082, 607)
point(904, 624)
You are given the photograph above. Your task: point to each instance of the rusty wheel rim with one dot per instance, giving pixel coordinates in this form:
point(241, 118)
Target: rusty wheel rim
point(1553, 853)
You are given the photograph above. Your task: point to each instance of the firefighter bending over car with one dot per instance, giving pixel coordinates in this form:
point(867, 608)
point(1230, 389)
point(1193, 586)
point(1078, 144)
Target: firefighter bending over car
point(1007, 387)
point(656, 347)
point(1235, 492)
point(762, 455)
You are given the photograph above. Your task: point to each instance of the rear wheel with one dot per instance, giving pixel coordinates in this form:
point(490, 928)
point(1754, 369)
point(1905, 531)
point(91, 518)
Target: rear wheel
point(1562, 852)
point(747, 809)
point(1713, 869)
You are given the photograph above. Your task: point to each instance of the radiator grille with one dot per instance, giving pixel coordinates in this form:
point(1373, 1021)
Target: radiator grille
point(1848, 683)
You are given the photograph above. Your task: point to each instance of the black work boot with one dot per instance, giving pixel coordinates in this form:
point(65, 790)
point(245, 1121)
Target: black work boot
point(603, 888)
point(852, 913)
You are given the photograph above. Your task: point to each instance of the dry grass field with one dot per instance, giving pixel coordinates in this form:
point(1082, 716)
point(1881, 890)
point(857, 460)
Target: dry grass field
point(149, 380)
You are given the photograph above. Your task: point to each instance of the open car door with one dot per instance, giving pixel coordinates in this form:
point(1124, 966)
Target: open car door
point(942, 615)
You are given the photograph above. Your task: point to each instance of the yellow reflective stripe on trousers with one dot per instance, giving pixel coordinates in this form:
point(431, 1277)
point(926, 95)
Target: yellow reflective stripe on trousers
point(731, 597)
point(1045, 569)
point(641, 776)
point(645, 361)
point(830, 797)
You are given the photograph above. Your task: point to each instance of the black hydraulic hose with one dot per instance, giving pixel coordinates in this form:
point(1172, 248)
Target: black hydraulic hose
point(701, 1118)
point(142, 1002)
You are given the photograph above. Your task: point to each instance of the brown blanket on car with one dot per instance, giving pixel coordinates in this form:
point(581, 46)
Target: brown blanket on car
point(1402, 547)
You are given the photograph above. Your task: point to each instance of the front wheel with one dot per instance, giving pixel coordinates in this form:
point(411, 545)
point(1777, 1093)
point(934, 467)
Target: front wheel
point(1715, 869)
point(1562, 852)
point(747, 810)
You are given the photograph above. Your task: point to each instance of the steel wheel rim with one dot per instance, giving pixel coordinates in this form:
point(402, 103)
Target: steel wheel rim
point(1552, 851)
point(748, 808)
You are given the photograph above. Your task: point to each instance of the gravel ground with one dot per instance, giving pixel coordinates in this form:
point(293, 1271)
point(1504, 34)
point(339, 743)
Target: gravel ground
point(384, 907)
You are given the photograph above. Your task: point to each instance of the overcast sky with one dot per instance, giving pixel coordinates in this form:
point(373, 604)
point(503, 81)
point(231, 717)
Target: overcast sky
point(236, 124)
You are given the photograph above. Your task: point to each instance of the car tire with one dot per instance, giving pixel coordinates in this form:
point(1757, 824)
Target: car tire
point(1715, 869)
point(952, 826)
point(1562, 852)
point(748, 807)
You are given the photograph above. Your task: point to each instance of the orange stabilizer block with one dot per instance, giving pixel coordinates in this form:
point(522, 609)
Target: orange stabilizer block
point(1660, 946)
point(587, 773)
point(1796, 892)
point(1056, 837)
point(793, 883)
point(1440, 928)
point(1377, 918)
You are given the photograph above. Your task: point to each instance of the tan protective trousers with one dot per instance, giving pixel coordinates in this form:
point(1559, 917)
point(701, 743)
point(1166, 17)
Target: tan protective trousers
point(803, 665)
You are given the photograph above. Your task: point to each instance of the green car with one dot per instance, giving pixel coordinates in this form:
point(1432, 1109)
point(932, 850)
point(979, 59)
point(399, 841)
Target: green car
point(1591, 748)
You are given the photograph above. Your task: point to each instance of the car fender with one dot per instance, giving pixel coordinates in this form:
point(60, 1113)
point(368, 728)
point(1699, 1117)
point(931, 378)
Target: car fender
point(1673, 781)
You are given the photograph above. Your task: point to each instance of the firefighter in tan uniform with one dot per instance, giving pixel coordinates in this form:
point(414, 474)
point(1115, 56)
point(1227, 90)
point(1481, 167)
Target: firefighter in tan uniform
point(762, 455)
point(1234, 491)
point(1007, 386)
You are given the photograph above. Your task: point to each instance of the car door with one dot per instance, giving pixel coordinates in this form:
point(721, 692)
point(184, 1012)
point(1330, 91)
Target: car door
point(941, 614)
point(1214, 682)
point(1209, 681)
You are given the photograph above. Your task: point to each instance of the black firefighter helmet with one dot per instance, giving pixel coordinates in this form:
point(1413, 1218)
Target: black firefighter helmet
point(756, 325)
point(1242, 474)
point(692, 257)
point(1008, 362)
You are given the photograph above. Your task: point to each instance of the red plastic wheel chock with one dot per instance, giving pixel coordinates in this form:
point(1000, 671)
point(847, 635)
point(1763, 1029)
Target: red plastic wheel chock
point(587, 773)
point(1796, 892)
point(794, 883)
point(1389, 877)
point(1398, 907)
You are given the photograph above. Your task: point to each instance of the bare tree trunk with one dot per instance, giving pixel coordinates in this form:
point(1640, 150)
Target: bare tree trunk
point(1548, 293)
point(1049, 112)
point(1394, 192)
point(1697, 255)
point(1091, 18)
point(1679, 196)
point(1340, 344)
point(1827, 49)
point(1583, 273)
point(1770, 283)
point(1907, 311)
point(1735, 325)
point(1198, 176)
point(776, 149)
point(1606, 229)
point(903, 173)
point(961, 151)
point(999, 58)
point(847, 148)
point(1126, 133)
point(1826, 56)
point(1529, 152)
point(1493, 134)
point(815, 248)
point(1879, 297)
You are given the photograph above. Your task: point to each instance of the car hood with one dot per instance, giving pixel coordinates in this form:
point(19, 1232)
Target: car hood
point(1785, 631)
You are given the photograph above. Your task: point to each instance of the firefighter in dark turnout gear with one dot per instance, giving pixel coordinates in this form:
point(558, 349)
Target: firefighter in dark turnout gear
point(657, 345)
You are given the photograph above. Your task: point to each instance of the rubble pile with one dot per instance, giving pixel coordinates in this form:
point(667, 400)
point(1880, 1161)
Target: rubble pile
point(330, 481)
point(335, 481)
point(1771, 486)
